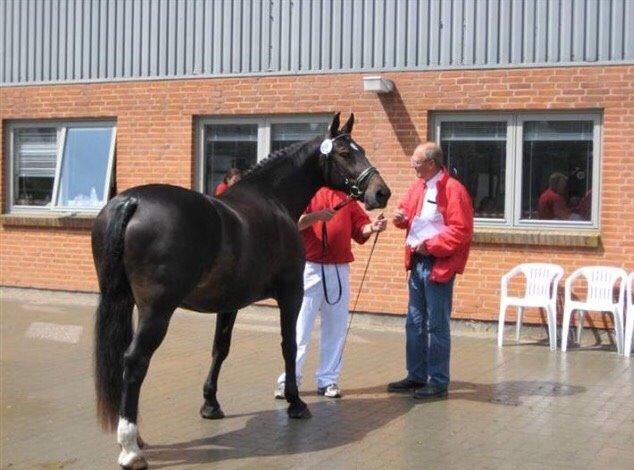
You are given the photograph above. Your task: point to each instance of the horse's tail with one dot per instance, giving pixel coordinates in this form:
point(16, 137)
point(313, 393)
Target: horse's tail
point(113, 322)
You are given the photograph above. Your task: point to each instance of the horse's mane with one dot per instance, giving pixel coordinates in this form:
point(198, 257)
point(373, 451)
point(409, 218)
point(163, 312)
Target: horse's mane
point(294, 154)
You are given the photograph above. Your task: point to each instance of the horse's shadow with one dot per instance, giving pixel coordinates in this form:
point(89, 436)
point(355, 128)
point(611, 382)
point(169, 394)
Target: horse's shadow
point(271, 432)
point(334, 423)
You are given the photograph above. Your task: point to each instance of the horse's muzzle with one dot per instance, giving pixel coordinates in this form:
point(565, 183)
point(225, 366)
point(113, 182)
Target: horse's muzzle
point(377, 193)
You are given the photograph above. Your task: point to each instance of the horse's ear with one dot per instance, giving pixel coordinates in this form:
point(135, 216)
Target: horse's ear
point(333, 129)
point(347, 127)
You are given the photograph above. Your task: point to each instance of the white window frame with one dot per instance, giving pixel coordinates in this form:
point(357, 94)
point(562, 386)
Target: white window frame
point(514, 147)
point(61, 127)
point(264, 124)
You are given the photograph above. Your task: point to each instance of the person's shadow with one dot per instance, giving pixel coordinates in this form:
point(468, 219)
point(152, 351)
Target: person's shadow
point(334, 423)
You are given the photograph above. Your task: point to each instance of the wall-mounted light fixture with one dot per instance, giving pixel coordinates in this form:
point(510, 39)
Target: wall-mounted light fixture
point(378, 84)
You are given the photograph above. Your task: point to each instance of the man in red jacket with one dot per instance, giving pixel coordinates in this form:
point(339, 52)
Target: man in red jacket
point(437, 214)
point(326, 286)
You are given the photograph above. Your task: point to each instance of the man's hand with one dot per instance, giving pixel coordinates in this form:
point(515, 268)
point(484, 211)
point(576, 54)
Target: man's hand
point(421, 250)
point(399, 217)
point(379, 224)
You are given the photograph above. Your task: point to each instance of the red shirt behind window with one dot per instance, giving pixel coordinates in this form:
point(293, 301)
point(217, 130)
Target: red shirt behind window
point(552, 206)
point(221, 188)
point(347, 224)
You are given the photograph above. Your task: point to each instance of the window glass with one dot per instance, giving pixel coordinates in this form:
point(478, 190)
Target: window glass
point(285, 134)
point(228, 146)
point(34, 165)
point(557, 170)
point(84, 167)
point(475, 153)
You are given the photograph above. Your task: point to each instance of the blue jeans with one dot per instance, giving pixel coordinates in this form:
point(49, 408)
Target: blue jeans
point(428, 340)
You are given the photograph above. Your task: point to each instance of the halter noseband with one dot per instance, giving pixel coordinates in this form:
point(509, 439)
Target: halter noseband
point(354, 186)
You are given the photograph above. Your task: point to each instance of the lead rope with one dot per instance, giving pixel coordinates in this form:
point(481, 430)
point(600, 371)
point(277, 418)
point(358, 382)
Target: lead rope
point(324, 247)
point(354, 307)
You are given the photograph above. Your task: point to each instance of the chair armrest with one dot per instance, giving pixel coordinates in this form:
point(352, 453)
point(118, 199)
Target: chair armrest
point(568, 285)
point(506, 278)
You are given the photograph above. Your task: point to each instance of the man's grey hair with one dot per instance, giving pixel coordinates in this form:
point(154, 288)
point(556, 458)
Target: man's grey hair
point(434, 153)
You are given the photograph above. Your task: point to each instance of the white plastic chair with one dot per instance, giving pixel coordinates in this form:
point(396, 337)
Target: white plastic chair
point(542, 280)
point(629, 324)
point(600, 298)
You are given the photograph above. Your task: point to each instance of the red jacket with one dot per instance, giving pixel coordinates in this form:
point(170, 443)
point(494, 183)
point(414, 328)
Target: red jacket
point(451, 247)
point(347, 224)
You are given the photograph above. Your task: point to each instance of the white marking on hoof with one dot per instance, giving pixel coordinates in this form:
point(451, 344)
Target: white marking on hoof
point(54, 332)
point(128, 438)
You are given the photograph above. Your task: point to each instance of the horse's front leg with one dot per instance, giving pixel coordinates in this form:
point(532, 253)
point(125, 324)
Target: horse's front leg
point(290, 302)
point(222, 343)
point(147, 338)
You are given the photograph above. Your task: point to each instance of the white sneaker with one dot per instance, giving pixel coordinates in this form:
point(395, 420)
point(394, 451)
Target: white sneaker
point(279, 392)
point(331, 391)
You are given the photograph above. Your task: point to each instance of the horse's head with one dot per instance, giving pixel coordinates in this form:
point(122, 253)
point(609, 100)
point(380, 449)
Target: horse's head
point(346, 167)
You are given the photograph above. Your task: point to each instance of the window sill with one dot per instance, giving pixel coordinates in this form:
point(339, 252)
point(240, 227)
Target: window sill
point(487, 235)
point(55, 220)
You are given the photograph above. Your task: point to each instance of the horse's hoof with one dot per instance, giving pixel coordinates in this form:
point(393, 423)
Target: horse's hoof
point(131, 461)
point(209, 412)
point(299, 412)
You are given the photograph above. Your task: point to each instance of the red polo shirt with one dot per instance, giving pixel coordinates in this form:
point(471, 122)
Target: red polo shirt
point(347, 224)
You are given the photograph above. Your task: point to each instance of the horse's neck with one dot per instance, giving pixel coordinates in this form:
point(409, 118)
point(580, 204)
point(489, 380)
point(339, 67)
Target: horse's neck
point(295, 183)
point(295, 189)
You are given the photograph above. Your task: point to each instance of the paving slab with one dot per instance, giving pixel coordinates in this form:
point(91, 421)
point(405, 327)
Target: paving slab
point(521, 407)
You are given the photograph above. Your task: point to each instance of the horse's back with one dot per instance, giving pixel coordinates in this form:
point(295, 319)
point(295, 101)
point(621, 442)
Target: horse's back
point(261, 246)
point(168, 242)
point(204, 253)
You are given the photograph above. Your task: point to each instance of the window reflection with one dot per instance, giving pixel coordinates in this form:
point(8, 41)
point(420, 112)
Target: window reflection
point(285, 134)
point(557, 170)
point(84, 167)
point(475, 153)
point(228, 146)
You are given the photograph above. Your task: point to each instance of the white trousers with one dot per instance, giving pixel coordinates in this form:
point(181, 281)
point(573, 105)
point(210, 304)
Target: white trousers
point(334, 319)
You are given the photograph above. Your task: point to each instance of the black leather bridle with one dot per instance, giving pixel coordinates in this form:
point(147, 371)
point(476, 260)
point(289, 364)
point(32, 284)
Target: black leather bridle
point(353, 185)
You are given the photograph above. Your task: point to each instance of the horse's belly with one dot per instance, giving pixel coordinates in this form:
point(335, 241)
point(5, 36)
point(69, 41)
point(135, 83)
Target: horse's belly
point(226, 294)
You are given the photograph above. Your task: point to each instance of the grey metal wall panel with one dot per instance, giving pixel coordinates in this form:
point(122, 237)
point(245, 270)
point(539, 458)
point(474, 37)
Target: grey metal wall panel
point(82, 40)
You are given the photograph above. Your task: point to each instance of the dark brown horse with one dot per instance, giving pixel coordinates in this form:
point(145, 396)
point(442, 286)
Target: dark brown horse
point(160, 247)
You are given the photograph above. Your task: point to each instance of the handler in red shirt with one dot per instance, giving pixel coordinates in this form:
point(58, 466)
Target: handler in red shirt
point(326, 281)
point(440, 200)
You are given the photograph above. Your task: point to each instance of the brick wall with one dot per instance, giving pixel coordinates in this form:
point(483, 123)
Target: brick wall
point(155, 143)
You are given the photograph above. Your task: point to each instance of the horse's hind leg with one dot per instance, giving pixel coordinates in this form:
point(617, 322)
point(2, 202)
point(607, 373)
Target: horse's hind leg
point(222, 342)
point(147, 338)
point(290, 303)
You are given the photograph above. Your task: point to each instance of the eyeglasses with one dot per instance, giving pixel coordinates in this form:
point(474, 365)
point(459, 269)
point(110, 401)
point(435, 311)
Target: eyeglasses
point(419, 163)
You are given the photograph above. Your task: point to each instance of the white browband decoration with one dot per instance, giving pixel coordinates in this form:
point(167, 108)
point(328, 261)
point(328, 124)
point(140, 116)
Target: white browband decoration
point(326, 147)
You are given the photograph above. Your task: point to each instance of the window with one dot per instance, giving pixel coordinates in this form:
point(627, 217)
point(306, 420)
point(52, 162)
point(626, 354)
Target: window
point(64, 167)
point(241, 143)
point(526, 169)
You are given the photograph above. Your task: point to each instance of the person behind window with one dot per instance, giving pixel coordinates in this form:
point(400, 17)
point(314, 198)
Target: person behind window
point(553, 203)
point(585, 206)
point(232, 176)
